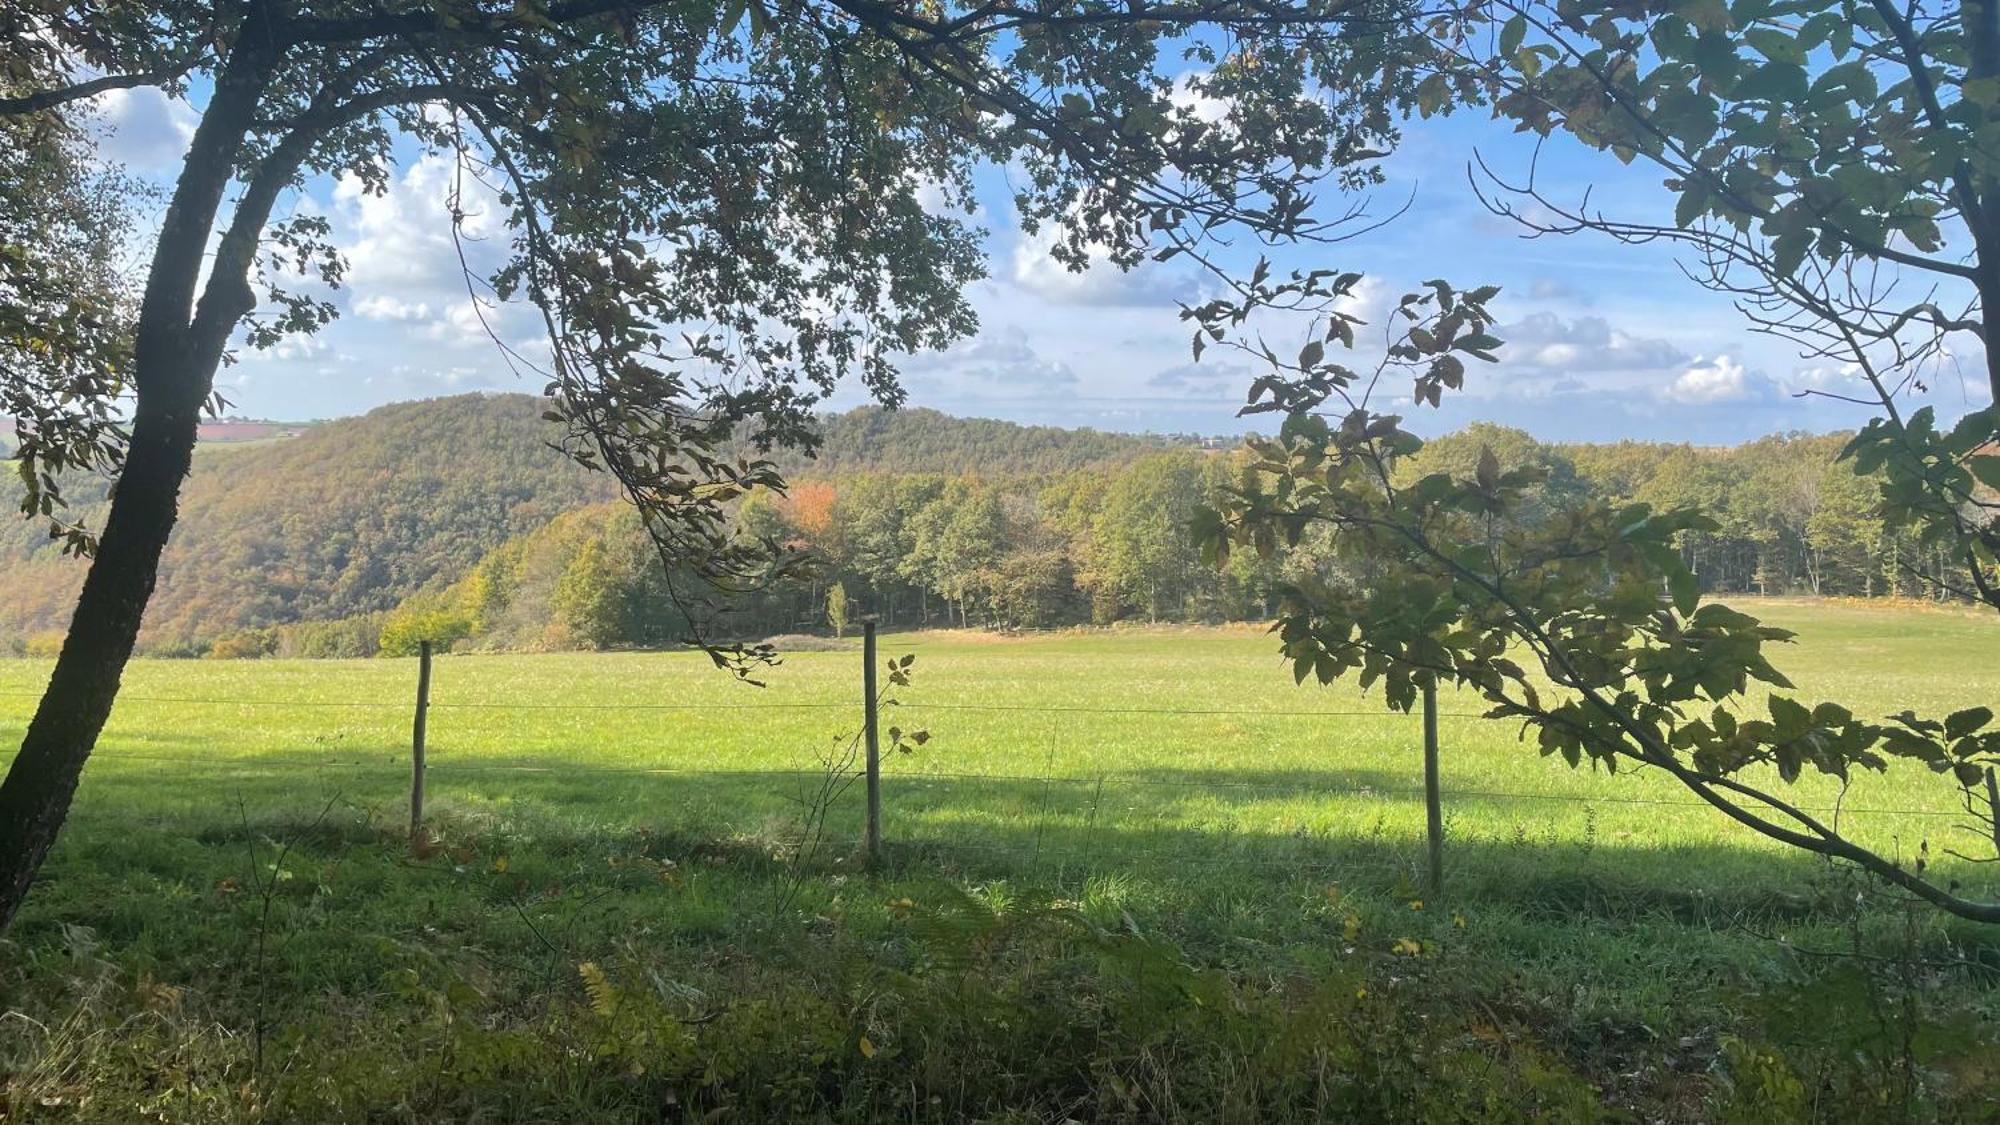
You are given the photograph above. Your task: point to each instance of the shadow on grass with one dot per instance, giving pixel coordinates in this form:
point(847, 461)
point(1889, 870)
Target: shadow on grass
point(1233, 833)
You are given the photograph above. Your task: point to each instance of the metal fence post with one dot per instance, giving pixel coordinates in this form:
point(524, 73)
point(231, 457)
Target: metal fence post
point(873, 741)
point(417, 742)
point(1433, 808)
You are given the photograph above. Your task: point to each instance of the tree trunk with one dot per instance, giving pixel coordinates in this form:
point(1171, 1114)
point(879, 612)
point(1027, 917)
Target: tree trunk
point(177, 349)
point(35, 797)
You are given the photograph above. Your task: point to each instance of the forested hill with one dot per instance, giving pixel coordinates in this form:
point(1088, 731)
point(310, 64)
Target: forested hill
point(353, 516)
point(349, 517)
point(454, 520)
point(870, 439)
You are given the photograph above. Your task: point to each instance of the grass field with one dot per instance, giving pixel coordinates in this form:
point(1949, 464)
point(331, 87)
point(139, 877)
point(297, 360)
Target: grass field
point(1172, 782)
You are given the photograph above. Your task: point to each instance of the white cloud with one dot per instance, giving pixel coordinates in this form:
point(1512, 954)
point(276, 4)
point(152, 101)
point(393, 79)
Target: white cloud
point(1555, 289)
point(1820, 377)
point(1708, 383)
point(145, 130)
point(1150, 283)
point(1209, 109)
point(1587, 343)
point(1003, 358)
point(383, 306)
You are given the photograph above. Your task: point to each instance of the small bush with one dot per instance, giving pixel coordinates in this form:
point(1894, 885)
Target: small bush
point(251, 644)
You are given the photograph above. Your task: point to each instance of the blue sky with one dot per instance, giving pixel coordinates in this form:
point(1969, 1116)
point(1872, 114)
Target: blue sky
point(1603, 341)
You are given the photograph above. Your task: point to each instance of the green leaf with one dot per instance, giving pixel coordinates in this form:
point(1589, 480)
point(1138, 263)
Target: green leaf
point(1693, 202)
point(1775, 45)
point(1489, 467)
point(1512, 33)
point(1790, 716)
point(1705, 15)
point(1773, 82)
point(1685, 586)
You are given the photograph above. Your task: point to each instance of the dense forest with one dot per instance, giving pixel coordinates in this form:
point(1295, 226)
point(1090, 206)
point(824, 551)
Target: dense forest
point(454, 520)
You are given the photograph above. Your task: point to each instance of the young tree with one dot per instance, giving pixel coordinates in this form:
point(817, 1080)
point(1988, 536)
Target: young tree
point(836, 608)
point(753, 166)
point(1584, 624)
point(1836, 172)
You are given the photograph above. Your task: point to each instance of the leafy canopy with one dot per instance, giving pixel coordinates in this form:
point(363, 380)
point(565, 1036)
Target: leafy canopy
point(718, 209)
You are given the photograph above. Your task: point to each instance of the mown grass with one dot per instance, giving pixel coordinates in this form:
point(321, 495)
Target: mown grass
point(1174, 783)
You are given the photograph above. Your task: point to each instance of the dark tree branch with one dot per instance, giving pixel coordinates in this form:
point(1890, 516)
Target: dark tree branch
point(53, 98)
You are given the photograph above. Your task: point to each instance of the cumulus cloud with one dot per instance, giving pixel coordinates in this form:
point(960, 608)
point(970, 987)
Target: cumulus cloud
point(1150, 283)
point(1721, 380)
point(403, 264)
point(291, 349)
point(1586, 343)
point(1822, 377)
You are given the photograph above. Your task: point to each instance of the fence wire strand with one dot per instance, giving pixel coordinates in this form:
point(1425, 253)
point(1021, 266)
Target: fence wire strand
point(392, 759)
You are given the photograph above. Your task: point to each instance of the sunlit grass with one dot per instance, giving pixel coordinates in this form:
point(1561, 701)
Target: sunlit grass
point(1185, 729)
point(1176, 774)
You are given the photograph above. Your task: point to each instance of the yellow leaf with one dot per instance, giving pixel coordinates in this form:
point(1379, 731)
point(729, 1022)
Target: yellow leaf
point(603, 994)
point(500, 865)
point(1352, 926)
point(1408, 947)
point(867, 1048)
point(1458, 920)
point(1416, 904)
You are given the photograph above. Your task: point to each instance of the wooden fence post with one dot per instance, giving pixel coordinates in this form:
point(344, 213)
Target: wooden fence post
point(1433, 807)
point(873, 741)
point(1993, 806)
point(417, 742)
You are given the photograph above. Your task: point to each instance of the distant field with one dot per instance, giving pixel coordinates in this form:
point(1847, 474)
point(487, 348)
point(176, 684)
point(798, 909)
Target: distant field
point(1173, 775)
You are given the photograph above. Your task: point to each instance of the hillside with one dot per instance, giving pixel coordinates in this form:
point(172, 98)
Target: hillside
point(353, 516)
point(346, 518)
point(869, 439)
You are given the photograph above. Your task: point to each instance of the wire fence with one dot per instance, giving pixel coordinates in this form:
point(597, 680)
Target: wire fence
point(1109, 803)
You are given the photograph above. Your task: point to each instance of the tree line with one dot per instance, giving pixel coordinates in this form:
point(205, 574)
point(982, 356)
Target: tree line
point(1113, 543)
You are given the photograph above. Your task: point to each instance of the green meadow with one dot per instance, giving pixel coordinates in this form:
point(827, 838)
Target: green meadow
point(239, 840)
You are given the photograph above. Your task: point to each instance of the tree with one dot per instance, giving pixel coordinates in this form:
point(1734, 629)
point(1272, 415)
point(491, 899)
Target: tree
point(874, 513)
point(1624, 663)
point(954, 542)
point(836, 608)
point(1143, 553)
point(752, 166)
point(590, 599)
point(1836, 173)
point(64, 313)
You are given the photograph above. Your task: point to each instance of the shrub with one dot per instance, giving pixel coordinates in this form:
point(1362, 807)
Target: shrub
point(406, 628)
point(250, 644)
